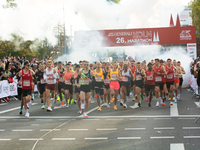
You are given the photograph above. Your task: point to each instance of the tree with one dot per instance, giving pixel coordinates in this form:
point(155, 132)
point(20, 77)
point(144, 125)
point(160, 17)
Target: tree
point(10, 4)
point(114, 1)
point(195, 6)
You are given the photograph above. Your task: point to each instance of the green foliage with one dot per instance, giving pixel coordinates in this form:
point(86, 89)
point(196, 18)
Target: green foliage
point(10, 4)
point(195, 6)
point(114, 1)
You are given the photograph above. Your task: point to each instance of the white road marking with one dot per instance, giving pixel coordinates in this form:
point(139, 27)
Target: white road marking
point(78, 129)
point(91, 110)
point(138, 118)
point(191, 128)
point(20, 119)
point(107, 129)
point(164, 128)
point(197, 103)
point(34, 124)
point(31, 139)
point(134, 128)
point(174, 110)
point(57, 107)
point(2, 130)
point(63, 139)
point(19, 130)
point(97, 138)
point(186, 118)
point(49, 129)
point(90, 119)
point(5, 139)
point(8, 110)
point(135, 106)
point(2, 119)
point(162, 118)
point(162, 137)
point(191, 137)
point(63, 119)
point(3, 104)
point(44, 119)
point(129, 138)
point(114, 119)
point(177, 146)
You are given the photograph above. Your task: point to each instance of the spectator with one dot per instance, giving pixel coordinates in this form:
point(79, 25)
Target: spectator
point(2, 68)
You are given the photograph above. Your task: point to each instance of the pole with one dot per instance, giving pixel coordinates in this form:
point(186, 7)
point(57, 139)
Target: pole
point(64, 31)
point(59, 40)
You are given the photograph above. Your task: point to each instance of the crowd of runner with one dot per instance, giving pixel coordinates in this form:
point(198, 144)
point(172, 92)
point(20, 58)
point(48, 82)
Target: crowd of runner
point(106, 82)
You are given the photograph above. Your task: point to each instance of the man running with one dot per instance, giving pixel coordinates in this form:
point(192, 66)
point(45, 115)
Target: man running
point(133, 68)
point(181, 72)
point(107, 86)
point(77, 89)
point(27, 83)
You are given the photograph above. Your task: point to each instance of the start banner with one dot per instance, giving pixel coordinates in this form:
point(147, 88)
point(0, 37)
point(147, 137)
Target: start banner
point(7, 89)
point(132, 37)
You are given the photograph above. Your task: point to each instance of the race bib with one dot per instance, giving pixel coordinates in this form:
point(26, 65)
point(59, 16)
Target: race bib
point(26, 83)
point(60, 79)
point(158, 79)
point(114, 76)
point(50, 81)
point(170, 76)
point(138, 77)
point(42, 81)
point(149, 78)
point(107, 81)
point(124, 79)
point(85, 82)
point(98, 78)
point(67, 82)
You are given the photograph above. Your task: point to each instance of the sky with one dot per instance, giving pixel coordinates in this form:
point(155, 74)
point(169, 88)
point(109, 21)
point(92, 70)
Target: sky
point(38, 18)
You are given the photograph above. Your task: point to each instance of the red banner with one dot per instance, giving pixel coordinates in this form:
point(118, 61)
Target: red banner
point(133, 37)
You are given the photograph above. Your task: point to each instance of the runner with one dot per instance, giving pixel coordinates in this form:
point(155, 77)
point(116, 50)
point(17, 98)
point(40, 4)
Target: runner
point(60, 82)
point(67, 86)
point(41, 83)
point(114, 76)
point(176, 79)
point(149, 84)
point(125, 84)
point(159, 72)
point(77, 90)
point(50, 78)
point(139, 81)
point(181, 72)
point(99, 83)
point(164, 92)
point(85, 87)
point(92, 85)
point(120, 68)
point(107, 86)
point(27, 83)
point(133, 68)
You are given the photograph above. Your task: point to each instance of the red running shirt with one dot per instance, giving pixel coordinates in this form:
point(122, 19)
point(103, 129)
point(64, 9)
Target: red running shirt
point(27, 80)
point(149, 79)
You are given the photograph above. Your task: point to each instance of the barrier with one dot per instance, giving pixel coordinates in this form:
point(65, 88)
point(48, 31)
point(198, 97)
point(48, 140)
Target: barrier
point(7, 89)
point(193, 84)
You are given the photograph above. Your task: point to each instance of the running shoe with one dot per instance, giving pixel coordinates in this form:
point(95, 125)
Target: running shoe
point(95, 96)
point(161, 101)
point(157, 103)
point(61, 104)
point(148, 99)
point(139, 104)
point(149, 104)
point(134, 98)
point(108, 106)
point(115, 107)
point(99, 109)
point(178, 96)
point(170, 99)
point(27, 115)
point(85, 115)
point(142, 98)
point(43, 106)
point(121, 103)
point(30, 104)
point(175, 101)
point(75, 101)
point(49, 109)
point(80, 111)
point(58, 98)
point(163, 104)
point(125, 106)
point(82, 105)
point(72, 101)
point(111, 100)
point(171, 103)
point(67, 105)
point(20, 112)
point(7, 99)
point(92, 101)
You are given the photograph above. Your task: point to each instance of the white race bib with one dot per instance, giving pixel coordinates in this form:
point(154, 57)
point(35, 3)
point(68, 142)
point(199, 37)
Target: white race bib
point(149, 78)
point(158, 79)
point(85, 82)
point(98, 78)
point(26, 83)
point(170, 76)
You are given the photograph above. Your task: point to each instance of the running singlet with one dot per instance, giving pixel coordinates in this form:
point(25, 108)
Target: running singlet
point(85, 78)
point(40, 76)
point(157, 77)
point(75, 78)
point(124, 78)
point(67, 77)
point(170, 74)
point(60, 75)
point(106, 81)
point(114, 75)
point(176, 71)
point(138, 76)
point(150, 78)
point(50, 78)
point(27, 80)
point(98, 76)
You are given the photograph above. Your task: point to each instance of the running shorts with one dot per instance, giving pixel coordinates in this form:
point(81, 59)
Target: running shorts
point(26, 92)
point(176, 80)
point(132, 83)
point(180, 81)
point(42, 88)
point(107, 86)
point(51, 87)
point(160, 85)
point(99, 91)
point(19, 92)
point(85, 88)
point(169, 84)
point(60, 86)
point(114, 85)
point(77, 90)
point(68, 87)
point(149, 88)
point(99, 85)
point(126, 84)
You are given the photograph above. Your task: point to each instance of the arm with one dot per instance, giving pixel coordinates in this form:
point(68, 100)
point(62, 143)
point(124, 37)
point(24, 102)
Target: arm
point(163, 70)
point(183, 71)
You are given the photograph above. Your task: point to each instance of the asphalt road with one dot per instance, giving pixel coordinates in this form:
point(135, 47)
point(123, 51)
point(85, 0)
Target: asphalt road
point(155, 128)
